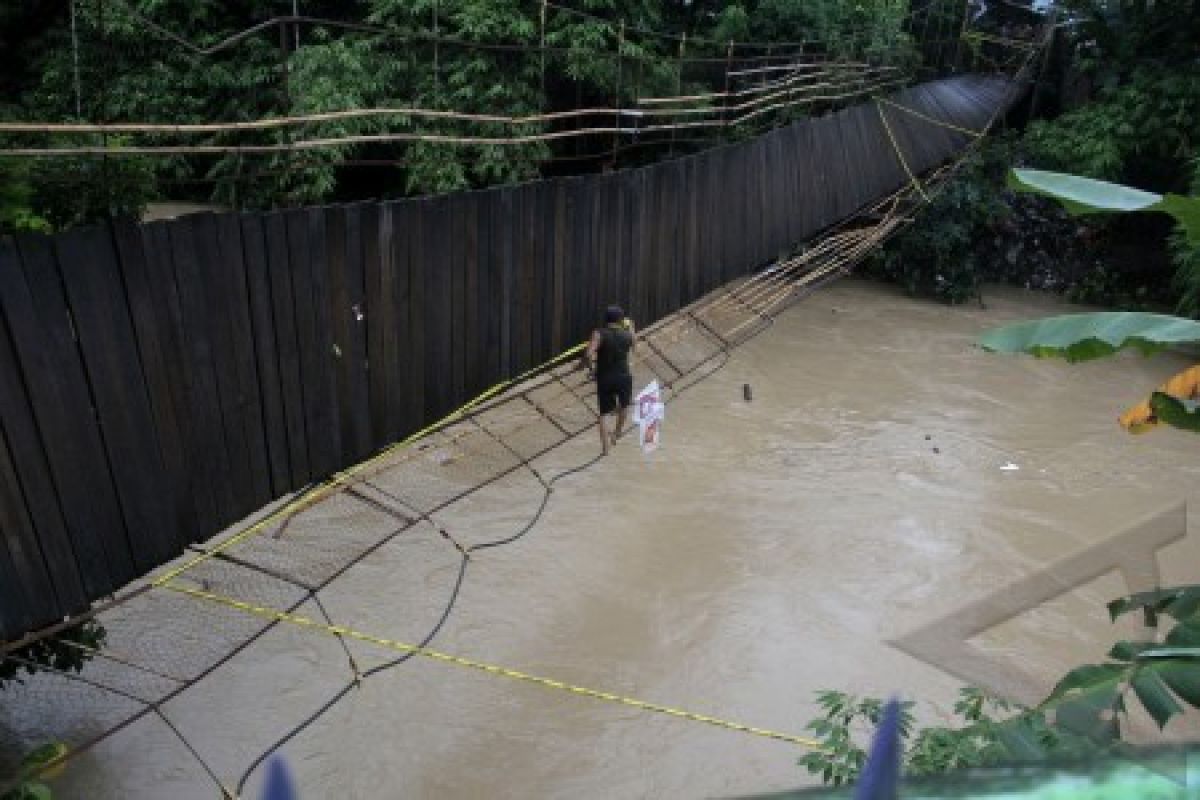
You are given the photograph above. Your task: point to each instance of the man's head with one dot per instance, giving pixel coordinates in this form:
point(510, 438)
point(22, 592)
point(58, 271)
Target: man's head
point(613, 315)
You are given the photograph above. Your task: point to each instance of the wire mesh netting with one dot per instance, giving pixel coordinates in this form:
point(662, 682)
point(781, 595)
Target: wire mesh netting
point(383, 533)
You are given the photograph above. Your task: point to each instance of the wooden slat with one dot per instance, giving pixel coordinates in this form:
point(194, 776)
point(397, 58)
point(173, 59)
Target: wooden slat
point(378, 269)
point(288, 344)
point(266, 354)
point(408, 220)
point(453, 261)
point(208, 316)
point(45, 579)
point(491, 238)
point(198, 448)
point(503, 230)
point(474, 343)
point(159, 354)
point(92, 280)
point(249, 425)
point(347, 310)
point(557, 290)
point(439, 316)
point(524, 277)
point(545, 260)
point(27, 597)
point(43, 340)
point(317, 355)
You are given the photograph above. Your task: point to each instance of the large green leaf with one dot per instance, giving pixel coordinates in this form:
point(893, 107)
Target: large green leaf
point(1183, 678)
point(1180, 602)
point(1186, 211)
point(1079, 337)
point(1087, 699)
point(1175, 412)
point(1185, 634)
point(1153, 694)
point(1082, 195)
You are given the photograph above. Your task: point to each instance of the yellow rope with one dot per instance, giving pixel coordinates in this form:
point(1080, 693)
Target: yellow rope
point(929, 119)
point(339, 479)
point(436, 655)
point(899, 154)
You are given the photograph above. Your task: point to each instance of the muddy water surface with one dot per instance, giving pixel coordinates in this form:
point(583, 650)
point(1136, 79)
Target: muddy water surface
point(768, 550)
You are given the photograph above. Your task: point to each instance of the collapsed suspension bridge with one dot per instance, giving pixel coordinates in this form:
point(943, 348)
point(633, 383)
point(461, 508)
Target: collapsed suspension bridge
point(844, 182)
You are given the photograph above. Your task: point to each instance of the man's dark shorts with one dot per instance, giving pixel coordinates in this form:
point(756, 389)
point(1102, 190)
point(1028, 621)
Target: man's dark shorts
point(613, 390)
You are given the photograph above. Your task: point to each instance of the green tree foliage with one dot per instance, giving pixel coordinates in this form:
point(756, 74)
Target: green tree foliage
point(33, 766)
point(174, 61)
point(67, 651)
point(1086, 712)
point(1141, 129)
point(944, 254)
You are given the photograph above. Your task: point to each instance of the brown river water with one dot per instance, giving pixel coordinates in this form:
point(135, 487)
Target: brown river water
point(769, 549)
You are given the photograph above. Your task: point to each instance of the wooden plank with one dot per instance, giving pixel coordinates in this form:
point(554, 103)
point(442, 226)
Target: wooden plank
point(44, 345)
point(583, 316)
point(306, 243)
point(439, 313)
point(347, 310)
point(212, 298)
point(503, 229)
point(266, 354)
point(159, 353)
point(691, 253)
point(545, 261)
point(403, 345)
point(474, 344)
point(559, 331)
point(46, 582)
point(378, 269)
point(326, 417)
point(523, 273)
point(639, 301)
point(198, 447)
point(453, 261)
point(597, 300)
point(672, 204)
point(212, 461)
point(491, 238)
point(288, 344)
point(27, 598)
point(248, 409)
point(408, 222)
point(92, 280)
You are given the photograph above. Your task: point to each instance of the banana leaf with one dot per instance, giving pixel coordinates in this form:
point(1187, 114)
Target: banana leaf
point(1081, 196)
point(1080, 337)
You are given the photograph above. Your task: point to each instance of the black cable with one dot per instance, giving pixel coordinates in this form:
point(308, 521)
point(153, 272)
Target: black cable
point(541, 508)
point(304, 724)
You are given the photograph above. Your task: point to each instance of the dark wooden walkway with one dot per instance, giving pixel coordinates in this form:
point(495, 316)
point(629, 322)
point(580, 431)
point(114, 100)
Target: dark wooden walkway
point(160, 382)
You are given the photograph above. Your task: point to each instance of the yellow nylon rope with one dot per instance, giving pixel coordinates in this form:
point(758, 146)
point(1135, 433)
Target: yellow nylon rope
point(339, 479)
point(929, 119)
point(899, 154)
point(493, 669)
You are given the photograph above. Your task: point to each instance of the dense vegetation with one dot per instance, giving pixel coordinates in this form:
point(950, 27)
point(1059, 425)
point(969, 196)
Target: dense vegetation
point(174, 61)
point(1124, 103)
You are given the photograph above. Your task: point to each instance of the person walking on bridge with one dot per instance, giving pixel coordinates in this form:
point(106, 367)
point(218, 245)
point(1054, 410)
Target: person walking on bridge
point(608, 356)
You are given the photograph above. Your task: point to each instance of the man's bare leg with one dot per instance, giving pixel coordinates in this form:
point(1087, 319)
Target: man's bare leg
point(620, 423)
point(603, 434)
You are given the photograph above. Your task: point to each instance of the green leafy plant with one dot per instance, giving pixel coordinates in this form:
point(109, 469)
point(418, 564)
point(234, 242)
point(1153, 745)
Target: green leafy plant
point(37, 764)
point(1086, 712)
point(1081, 196)
point(66, 651)
point(1079, 337)
point(987, 731)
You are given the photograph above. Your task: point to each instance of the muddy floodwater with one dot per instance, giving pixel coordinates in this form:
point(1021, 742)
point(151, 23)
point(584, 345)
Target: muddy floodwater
point(769, 549)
